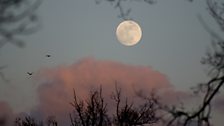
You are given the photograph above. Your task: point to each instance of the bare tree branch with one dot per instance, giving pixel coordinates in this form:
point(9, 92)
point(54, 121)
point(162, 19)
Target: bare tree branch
point(124, 13)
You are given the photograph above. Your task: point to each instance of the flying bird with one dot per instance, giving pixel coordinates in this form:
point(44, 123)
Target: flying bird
point(48, 55)
point(30, 73)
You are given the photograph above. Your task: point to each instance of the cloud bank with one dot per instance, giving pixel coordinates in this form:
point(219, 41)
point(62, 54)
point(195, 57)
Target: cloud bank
point(55, 91)
point(57, 84)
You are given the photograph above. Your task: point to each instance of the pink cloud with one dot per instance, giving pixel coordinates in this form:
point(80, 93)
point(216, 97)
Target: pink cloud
point(57, 84)
point(6, 114)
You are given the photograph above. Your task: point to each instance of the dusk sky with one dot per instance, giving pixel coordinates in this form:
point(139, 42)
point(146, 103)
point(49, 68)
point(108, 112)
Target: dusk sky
point(79, 34)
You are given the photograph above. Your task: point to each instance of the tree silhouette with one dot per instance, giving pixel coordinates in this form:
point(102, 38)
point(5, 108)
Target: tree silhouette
point(27, 121)
point(91, 112)
point(129, 115)
point(30, 121)
point(214, 59)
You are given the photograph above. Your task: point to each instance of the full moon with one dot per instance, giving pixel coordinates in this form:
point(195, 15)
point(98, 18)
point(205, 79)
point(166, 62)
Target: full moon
point(128, 33)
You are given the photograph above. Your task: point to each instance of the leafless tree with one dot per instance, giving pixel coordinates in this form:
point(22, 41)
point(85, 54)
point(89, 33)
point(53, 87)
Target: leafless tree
point(132, 115)
point(30, 121)
point(51, 121)
point(91, 112)
point(214, 59)
point(27, 121)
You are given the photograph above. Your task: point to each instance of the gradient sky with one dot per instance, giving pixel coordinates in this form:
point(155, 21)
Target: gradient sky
point(173, 43)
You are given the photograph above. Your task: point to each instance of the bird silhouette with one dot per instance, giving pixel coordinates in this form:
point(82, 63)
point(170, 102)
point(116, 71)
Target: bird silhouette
point(30, 73)
point(48, 55)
